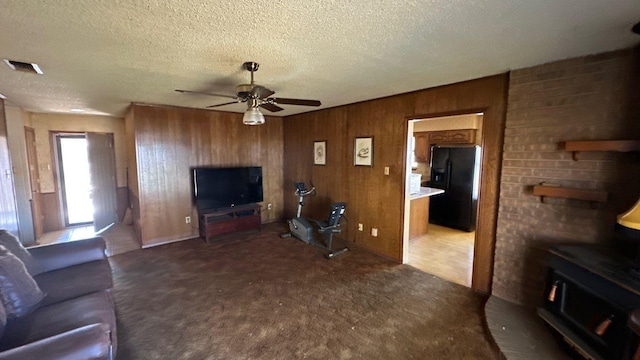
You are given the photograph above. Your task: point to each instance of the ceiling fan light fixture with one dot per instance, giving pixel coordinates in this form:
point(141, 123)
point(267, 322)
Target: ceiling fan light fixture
point(253, 116)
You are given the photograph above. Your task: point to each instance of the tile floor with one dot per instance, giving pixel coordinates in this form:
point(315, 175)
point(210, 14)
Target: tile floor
point(119, 238)
point(444, 252)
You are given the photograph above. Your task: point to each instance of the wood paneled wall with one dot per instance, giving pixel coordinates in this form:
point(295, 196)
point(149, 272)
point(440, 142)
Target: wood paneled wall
point(122, 201)
point(52, 219)
point(131, 173)
point(168, 141)
point(377, 200)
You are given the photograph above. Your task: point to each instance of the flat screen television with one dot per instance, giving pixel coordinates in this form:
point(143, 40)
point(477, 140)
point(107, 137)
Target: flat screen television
point(215, 188)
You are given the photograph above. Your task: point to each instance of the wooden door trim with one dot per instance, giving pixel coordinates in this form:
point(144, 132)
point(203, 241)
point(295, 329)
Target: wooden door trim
point(36, 201)
point(55, 172)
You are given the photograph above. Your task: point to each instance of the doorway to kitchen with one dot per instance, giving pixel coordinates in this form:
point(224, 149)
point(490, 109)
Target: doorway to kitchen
point(443, 157)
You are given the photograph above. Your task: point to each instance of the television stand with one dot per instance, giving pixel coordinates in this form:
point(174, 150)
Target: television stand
point(216, 223)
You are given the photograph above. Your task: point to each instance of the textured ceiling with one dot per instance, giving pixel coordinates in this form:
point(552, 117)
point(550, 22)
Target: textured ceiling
point(101, 55)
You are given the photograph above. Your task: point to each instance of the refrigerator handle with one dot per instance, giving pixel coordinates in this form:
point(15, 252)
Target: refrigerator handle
point(448, 180)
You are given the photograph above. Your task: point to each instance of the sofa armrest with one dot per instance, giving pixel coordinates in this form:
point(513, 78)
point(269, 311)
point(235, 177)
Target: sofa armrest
point(62, 255)
point(87, 342)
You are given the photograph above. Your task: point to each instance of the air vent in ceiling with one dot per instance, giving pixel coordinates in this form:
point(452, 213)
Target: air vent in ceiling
point(23, 66)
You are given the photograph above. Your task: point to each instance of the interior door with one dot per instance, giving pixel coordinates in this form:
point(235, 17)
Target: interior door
point(34, 181)
point(102, 167)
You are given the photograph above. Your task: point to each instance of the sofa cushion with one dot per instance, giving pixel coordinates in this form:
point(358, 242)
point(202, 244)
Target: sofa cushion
point(3, 319)
point(14, 245)
point(74, 281)
point(87, 342)
point(19, 292)
point(58, 318)
point(61, 255)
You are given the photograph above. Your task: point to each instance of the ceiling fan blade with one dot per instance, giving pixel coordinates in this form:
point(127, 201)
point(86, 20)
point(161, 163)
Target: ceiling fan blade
point(296, 101)
point(271, 107)
point(205, 93)
point(229, 103)
point(261, 92)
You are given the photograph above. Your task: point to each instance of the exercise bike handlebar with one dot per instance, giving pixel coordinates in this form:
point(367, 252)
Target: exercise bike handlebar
point(305, 192)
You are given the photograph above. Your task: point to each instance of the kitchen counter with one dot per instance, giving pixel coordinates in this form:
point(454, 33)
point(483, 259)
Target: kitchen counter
point(425, 192)
point(419, 211)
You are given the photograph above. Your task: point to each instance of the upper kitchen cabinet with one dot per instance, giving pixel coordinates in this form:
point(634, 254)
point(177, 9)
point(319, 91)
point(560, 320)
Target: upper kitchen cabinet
point(421, 150)
point(462, 136)
point(424, 140)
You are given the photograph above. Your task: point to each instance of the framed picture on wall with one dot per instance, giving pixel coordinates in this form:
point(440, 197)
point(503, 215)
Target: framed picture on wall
point(320, 153)
point(363, 151)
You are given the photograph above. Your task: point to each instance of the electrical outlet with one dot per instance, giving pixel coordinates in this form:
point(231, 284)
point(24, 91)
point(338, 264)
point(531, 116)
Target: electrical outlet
point(269, 206)
point(374, 232)
point(386, 170)
point(360, 227)
point(187, 219)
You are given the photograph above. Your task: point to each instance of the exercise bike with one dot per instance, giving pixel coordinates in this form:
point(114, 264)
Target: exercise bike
point(303, 230)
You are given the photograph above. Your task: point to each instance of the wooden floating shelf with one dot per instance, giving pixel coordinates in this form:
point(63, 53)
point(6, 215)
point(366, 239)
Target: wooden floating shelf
point(568, 193)
point(600, 145)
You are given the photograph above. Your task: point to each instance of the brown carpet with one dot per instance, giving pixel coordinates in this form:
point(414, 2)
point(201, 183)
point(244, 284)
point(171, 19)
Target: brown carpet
point(258, 296)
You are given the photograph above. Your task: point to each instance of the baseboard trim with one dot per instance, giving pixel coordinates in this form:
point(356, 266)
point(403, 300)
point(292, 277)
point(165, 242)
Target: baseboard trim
point(270, 221)
point(194, 237)
point(168, 242)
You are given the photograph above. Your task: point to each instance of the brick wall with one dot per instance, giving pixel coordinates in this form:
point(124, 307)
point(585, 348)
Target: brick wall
point(589, 98)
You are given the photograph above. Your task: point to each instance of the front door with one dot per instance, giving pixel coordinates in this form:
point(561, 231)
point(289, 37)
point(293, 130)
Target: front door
point(103, 180)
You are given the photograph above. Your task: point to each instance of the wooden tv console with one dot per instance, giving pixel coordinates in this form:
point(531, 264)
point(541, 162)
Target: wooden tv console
point(219, 222)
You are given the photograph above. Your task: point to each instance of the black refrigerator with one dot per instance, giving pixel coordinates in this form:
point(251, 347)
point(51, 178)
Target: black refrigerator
point(455, 169)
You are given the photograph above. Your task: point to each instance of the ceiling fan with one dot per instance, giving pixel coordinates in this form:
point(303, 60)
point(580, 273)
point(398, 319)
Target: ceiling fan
point(256, 96)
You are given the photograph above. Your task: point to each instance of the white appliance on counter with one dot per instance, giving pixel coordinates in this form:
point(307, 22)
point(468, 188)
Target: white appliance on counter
point(414, 186)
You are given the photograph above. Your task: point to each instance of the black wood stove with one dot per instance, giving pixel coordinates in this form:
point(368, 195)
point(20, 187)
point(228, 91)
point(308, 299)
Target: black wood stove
point(590, 293)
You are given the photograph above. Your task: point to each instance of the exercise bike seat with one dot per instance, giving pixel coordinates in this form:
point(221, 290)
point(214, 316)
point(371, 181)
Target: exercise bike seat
point(333, 222)
point(337, 210)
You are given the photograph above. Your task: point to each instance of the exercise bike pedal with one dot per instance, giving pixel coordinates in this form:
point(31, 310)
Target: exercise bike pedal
point(336, 253)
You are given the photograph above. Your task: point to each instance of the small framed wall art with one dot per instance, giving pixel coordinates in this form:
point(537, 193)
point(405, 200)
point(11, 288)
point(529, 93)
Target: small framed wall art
point(363, 151)
point(320, 153)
